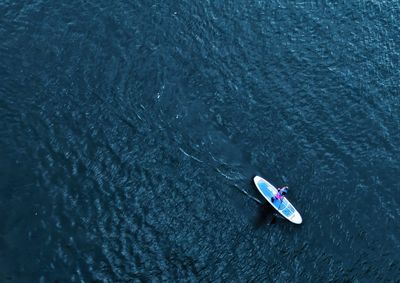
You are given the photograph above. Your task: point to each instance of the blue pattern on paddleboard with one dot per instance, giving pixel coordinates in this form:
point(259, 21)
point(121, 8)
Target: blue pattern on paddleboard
point(286, 208)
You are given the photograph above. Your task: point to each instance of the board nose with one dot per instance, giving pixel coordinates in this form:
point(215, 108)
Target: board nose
point(297, 218)
point(256, 179)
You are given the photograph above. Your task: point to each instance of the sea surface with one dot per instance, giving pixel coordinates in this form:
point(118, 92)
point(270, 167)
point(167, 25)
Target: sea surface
point(130, 132)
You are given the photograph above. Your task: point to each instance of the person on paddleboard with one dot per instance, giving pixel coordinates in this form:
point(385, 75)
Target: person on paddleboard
point(281, 193)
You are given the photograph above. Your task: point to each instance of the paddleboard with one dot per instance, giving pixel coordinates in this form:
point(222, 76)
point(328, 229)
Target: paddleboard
point(285, 207)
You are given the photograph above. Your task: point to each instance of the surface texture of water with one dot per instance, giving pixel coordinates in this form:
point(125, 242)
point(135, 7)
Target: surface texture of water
point(130, 132)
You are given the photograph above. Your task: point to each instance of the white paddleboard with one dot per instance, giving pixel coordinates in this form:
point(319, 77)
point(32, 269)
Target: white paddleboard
point(285, 207)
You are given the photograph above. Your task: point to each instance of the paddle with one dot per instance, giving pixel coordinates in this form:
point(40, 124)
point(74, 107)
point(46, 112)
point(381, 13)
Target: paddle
point(273, 220)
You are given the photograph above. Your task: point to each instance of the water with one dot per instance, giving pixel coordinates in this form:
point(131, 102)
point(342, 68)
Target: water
point(131, 130)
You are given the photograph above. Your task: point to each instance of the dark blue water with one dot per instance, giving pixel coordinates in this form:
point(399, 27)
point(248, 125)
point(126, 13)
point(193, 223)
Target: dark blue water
point(130, 132)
